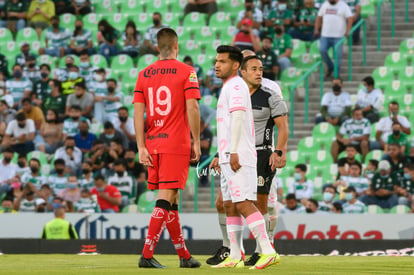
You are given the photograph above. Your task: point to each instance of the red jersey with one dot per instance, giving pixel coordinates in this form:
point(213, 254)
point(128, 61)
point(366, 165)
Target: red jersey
point(164, 87)
point(112, 192)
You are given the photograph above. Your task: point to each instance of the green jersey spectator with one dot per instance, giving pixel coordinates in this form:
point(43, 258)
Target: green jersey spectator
point(108, 39)
point(56, 39)
point(280, 12)
point(41, 89)
point(305, 22)
point(24, 54)
point(269, 59)
point(4, 65)
point(15, 13)
point(59, 228)
point(282, 45)
point(397, 137)
point(406, 188)
point(55, 100)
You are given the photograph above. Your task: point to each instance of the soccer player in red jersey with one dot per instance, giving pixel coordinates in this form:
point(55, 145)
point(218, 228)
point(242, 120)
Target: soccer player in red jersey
point(168, 91)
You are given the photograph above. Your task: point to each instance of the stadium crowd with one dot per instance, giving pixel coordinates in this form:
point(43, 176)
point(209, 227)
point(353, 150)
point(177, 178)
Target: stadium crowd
point(67, 135)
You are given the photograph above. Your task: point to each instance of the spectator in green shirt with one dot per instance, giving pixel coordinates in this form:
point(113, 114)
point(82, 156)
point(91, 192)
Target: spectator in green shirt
point(269, 59)
point(4, 65)
point(282, 45)
point(305, 22)
point(406, 189)
point(41, 88)
point(280, 12)
point(398, 137)
point(15, 13)
point(108, 39)
point(383, 187)
point(55, 100)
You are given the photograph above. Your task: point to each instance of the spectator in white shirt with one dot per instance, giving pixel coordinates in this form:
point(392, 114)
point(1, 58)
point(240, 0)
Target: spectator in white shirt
point(335, 105)
point(335, 17)
point(369, 99)
point(352, 205)
point(384, 126)
point(7, 170)
point(150, 36)
point(292, 205)
point(301, 186)
point(125, 125)
point(20, 134)
point(71, 154)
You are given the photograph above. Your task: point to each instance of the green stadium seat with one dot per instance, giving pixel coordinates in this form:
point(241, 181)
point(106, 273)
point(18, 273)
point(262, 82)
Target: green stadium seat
point(395, 91)
point(189, 47)
point(67, 21)
point(5, 36)
point(121, 63)
point(290, 76)
point(407, 49)
point(118, 21)
point(406, 76)
point(320, 160)
point(292, 158)
point(96, 128)
point(304, 61)
point(46, 59)
point(395, 62)
point(374, 209)
point(160, 6)
point(14, 159)
point(307, 147)
point(90, 21)
point(146, 60)
point(210, 101)
point(367, 8)
point(143, 21)
point(205, 62)
point(314, 51)
point(219, 19)
point(131, 7)
point(226, 33)
point(407, 106)
point(232, 6)
point(213, 127)
point(194, 20)
point(99, 61)
point(175, 7)
point(400, 209)
point(299, 48)
point(105, 7)
point(324, 133)
point(382, 76)
point(37, 155)
point(129, 79)
point(146, 201)
point(318, 183)
point(171, 19)
point(28, 35)
point(374, 154)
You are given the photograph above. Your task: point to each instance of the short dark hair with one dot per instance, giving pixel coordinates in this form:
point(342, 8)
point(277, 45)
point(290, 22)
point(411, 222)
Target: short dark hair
point(302, 167)
point(17, 65)
point(187, 58)
point(157, 13)
point(166, 37)
point(328, 186)
point(117, 140)
point(315, 202)
point(409, 166)
point(246, 59)
point(119, 161)
point(123, 108)
point(20, 116)
point(80, 85)
point(357, 163)
point(44, 65)
point(369, 80)
point(35, 160)
point(351, 146)
point(394, 102)
point(99, 177)
point(291, 196)
point(338, 206)
point(8, 150)
point(22, 156)
point(55, 18)
point(356, 109)
point(268, 38)
point(108, 125)
point(75, 107)
point(235, 53)
point(26, 99)
point(70, 138)
point(374, 162)
point(59, 161)
point(112, 80)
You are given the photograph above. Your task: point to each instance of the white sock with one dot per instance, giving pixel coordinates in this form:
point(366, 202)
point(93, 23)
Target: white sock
point(235, 230)
point(223, 227)
point(257, 226)
point(266, 219)
point(272, 223)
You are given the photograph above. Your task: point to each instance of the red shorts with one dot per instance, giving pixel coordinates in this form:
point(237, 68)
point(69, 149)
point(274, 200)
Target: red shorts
point(168, 172)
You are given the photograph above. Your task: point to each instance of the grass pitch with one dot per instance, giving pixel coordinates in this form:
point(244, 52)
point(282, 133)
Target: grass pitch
point(127, 264)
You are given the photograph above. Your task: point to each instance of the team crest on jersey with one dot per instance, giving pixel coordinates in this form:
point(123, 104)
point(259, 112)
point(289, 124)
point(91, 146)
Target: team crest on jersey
point(193, 77)
point(260, 181)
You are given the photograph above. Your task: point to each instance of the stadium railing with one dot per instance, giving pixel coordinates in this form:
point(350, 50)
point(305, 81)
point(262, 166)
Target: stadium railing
point(364, 48)
point(304, 77)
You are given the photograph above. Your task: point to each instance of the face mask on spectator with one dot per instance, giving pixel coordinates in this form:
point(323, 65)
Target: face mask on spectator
point(59, 171)
point(100, 189)
point(396, 132)
point(7, 159)
point(84, 133)
point(73, 75)
point(56, 205)
point(119, 173)
point(110, 136)
point(282, 7)
point(84, 200)
point(85, 171)
point(123, 118)
point(129, 159)
point(336, 88)
point(111, 89)
point(156, 22)
point(21, 125)
point(55, 25)
point(34, 169)
point(72, 185)
point(407, 176)
point(332, 2)
point(44, 75)
point(78, 28)
point(98, 77)
point(364, 89)
point(349, 196)
point(31, 65)
point(278, 31)
point(84, 64)
point(21, 163)
point(297, 176)
point(17, 74)
point(309, 210)
point(327, 196)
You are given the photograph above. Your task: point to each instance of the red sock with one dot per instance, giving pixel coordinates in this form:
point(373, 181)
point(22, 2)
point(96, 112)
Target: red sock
point(176, 234)
point(156, 225)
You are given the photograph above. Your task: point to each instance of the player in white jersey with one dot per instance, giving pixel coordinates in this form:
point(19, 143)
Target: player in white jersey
point(237, 159)
point(269, 110)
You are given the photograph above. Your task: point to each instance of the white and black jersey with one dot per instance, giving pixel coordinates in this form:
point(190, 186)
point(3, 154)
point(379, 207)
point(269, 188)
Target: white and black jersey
point(267, 104)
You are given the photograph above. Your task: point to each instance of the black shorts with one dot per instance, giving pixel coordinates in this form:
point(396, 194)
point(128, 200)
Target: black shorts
point(264, 172)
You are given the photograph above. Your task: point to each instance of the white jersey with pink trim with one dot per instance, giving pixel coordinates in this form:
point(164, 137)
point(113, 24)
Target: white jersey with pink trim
point(235, 96)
